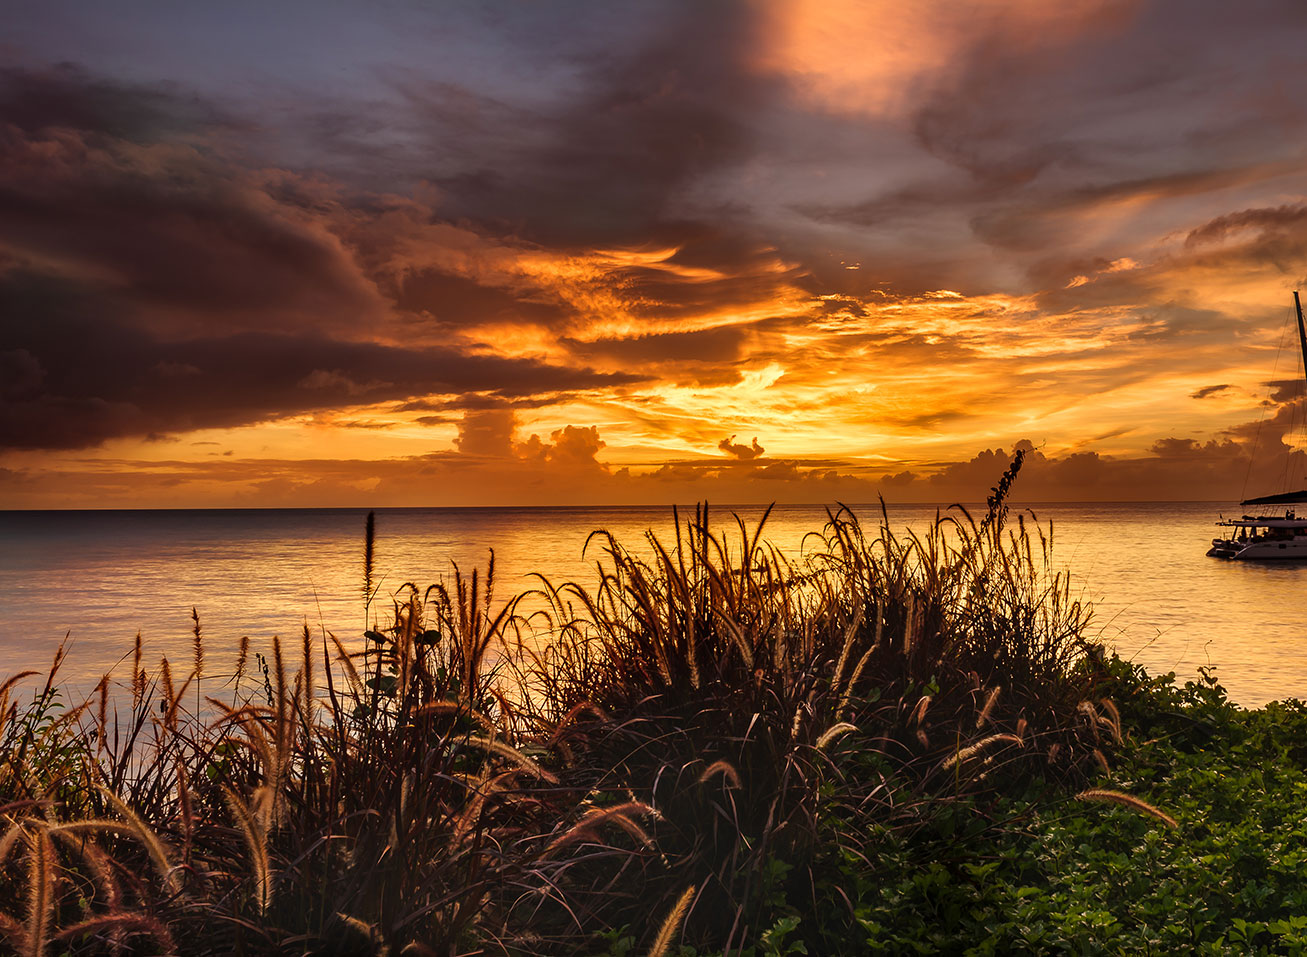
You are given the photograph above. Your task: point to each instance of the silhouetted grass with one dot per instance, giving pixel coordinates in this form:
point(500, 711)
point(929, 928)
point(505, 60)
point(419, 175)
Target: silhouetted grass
point(660, 753)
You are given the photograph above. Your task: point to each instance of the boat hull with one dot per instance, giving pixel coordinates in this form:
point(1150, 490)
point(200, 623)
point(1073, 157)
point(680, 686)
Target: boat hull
point(1295, 550)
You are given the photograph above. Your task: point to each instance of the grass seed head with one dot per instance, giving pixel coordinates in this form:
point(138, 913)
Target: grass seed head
point(663, 939)
point(725, 769)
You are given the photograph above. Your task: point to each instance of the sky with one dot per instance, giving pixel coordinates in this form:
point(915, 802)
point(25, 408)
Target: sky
point(517, 253)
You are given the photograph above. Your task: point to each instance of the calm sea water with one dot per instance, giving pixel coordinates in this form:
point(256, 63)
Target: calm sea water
point(102, 576)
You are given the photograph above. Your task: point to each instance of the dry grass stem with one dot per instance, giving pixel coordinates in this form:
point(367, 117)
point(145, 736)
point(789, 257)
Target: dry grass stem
point(1128, 801)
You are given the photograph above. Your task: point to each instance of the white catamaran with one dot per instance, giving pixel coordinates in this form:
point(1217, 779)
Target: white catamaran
point(1263, 536)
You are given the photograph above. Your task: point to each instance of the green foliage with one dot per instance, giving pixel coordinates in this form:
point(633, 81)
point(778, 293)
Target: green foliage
point(1039, 872)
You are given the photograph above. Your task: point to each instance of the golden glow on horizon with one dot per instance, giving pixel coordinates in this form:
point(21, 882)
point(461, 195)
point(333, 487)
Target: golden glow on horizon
point(874, 391)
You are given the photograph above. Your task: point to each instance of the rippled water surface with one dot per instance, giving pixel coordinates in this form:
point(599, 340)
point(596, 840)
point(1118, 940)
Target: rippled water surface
point(103, 576)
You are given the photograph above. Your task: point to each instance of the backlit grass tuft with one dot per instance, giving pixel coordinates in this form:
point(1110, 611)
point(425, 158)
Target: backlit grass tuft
point(658, 755)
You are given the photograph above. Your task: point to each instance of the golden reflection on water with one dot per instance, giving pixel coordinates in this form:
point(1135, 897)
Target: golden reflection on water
point(102, 576)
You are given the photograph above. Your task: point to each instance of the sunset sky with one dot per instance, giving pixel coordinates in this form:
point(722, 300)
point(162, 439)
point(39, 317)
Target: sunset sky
point(404, 253)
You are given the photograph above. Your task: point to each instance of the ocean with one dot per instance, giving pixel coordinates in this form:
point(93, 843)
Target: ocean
point(99, 577)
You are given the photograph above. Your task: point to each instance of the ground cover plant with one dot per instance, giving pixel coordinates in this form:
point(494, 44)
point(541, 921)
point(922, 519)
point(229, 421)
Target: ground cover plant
point(711, 749)
point(1213, 862)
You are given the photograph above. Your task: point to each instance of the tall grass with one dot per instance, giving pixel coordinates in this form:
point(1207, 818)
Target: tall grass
point(654, 754)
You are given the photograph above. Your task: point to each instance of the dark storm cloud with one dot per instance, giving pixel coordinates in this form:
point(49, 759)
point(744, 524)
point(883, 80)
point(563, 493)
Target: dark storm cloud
point(192, 236)
point(656, 293)
point(985, 126)
point(150, 286)
point(456, 301)
point(81, 374)
point(1134, 108)
point(66, 96)
point(613, 164)
point(1041, 219)
point(713, 346)
point(176, 230)
point(1171, 321)
point(1268, 219)
point(1251, 237)
point(1041, 224)
point(740, 451)
point(1210, 390)
point(476, 401)
point(1286, 390)
point(896, 204)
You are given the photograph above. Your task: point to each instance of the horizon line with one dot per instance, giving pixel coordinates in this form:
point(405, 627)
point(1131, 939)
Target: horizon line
point(607, 506)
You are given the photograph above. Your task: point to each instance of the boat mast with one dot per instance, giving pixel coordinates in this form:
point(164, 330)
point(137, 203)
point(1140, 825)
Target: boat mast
point(1302, 334)
point(1302, 331)
point(1300, 497)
